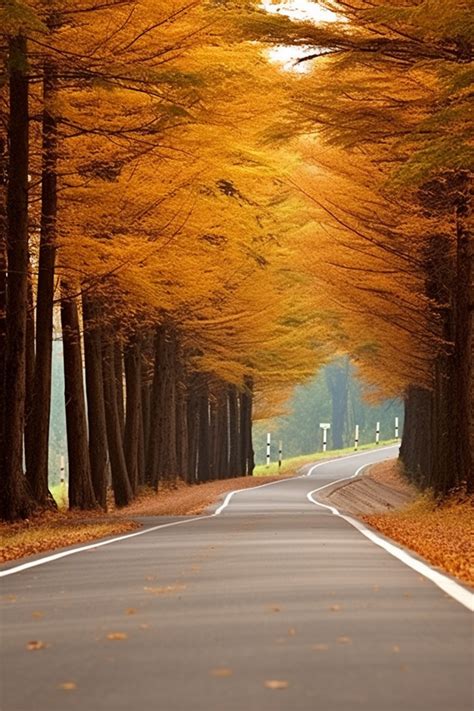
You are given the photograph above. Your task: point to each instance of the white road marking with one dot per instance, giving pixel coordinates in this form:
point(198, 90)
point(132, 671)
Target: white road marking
point(449, 586)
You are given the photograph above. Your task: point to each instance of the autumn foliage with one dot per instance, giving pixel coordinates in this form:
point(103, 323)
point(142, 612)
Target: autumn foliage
point(206, 229)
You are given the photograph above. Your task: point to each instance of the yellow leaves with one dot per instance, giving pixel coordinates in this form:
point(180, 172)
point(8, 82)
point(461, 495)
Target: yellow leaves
point(344, 639)
point(221, 672)
point(441, 534)
point(35, 645)
point(115, 636)
point(68, 686)
point(276, 684)
point(335, 608)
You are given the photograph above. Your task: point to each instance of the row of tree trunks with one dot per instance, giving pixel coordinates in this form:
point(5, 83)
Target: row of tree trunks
point(438, 443)
point(15, 498)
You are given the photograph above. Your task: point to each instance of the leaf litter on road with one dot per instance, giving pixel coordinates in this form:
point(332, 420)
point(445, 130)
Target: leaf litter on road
point(276, 684)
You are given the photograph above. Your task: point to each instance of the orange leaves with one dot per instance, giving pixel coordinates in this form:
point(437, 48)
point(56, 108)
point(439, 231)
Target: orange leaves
point(35, 645)
point(68, 686)
point(221, 672)
point(115, 636)
point(276, 684)
point(441, 534)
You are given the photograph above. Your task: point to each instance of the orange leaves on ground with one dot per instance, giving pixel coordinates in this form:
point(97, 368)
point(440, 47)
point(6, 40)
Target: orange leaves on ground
point(343, 639)
point(443, 534)
point(221, 672)
point(51, 530)
point(117, 636)
point(35, 644)
point(68, 686)
point(276, 684)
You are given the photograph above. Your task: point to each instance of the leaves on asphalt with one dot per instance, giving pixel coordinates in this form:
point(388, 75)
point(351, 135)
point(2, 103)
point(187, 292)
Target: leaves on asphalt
point(130, 611)
point(442, 534)
point(37, 615)
point(343, 639)
point(335, 608)
point(68, 686)
point(165, 589)
point(276, 684)
point(221, 672)
point(117, 635)
point(35, 644)
point(291, 632)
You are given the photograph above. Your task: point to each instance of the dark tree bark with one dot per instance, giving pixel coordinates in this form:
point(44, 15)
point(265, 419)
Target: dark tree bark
point(463, 342)
point(3, 280)
point(417, 433)
point(235, 462)
point(133, 420)
point(247, 453)
point(123, 493)
point(222, 436)
point(15, 498)
point(182, 434)
point(81, 492)
point(29, 377)
point(39, 415)
point(98, 454)
point(118, 367)
point(192, 417)
point(204, 436)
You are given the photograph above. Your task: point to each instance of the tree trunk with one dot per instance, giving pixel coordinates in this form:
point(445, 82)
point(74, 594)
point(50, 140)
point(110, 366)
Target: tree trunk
point(39, 417)
point(204, 439)
point(417, 434)
point(95, 399)
point(123, 493)
point(81, 492)
point(3, 280)
point(133, 423)
point(192, 417)
point(29, 378)
point(247, 454)
point(182, 434)
point(15, 499)
point(463, 344)
point(118, 367)
point(234, 433)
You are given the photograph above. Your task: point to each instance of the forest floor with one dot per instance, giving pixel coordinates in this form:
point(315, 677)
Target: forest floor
point(440, 533)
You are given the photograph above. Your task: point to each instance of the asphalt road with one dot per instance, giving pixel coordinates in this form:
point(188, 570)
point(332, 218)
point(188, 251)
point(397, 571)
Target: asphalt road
point(213, 614)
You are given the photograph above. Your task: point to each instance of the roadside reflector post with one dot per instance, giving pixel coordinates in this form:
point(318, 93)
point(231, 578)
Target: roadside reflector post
point(396, 428)
point(356, 438)
point(325, 426)
point(269, 440)
point(280, 454)
point(61, 469)
point(377, 433)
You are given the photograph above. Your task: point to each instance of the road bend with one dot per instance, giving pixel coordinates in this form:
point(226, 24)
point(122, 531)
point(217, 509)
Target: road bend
point(275, 604)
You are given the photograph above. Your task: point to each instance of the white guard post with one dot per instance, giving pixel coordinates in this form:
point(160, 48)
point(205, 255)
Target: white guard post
point(269, 440)
point(280, 454)
point(325, 426)
point(356, 438)
point(377, 433)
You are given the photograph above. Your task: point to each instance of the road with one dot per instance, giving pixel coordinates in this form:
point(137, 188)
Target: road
point(275, 604)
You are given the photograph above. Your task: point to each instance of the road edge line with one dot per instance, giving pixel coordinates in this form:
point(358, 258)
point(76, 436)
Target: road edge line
point(446, 584)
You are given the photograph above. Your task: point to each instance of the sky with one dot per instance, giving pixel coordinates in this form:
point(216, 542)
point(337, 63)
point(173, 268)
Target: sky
point(298, 10)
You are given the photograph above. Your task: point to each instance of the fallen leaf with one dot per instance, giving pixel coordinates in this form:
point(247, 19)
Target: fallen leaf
point(37, 615)
point(375, 588)
point(130, 611)
point(144, 627)
point(320, 647)
point(344, 640)
point(292, 631)
point(276, 684)
point(395, 649)
point(335, 608)
point(221, 671)
point(35, 644)
point(117, 635)
point(68, 686)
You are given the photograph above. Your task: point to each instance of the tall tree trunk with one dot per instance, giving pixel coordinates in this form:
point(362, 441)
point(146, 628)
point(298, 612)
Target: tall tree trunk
point(182, 434)
point(3, 280)
point(192, 417)
point(417, 435)
point(204, 438)
point(123, 493)
point(247, 453)
point(118, 367)
point(39, 417)
point(222, 444)
point(29, 377)
point(81, 492)
point(95, 398)
point(133, 420)
point(234, 433)
point(464, 344)
point(15, 499)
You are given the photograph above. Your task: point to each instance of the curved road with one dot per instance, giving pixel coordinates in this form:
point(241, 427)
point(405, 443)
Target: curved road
point(273, 605)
